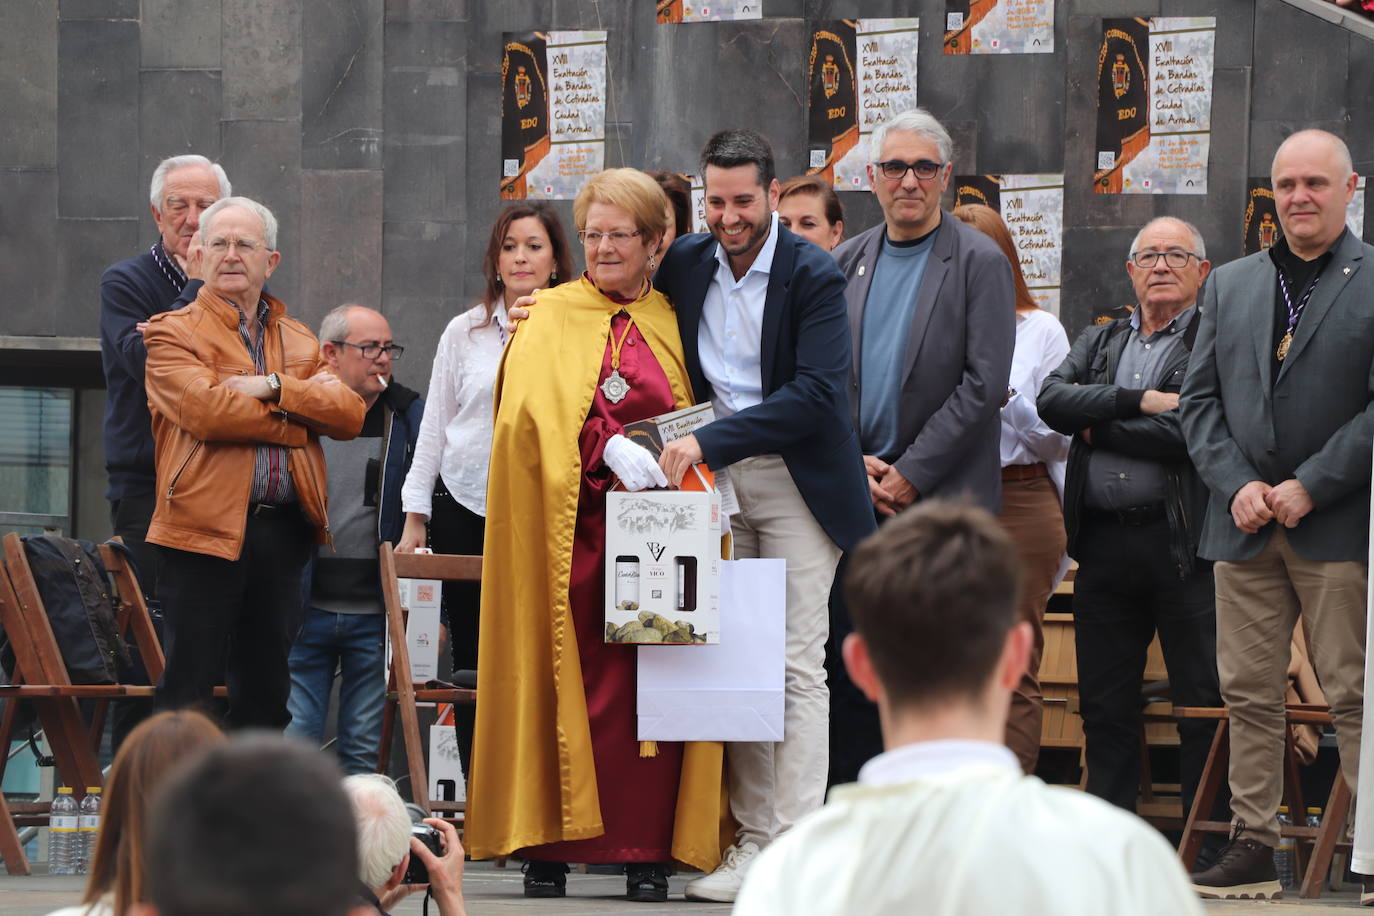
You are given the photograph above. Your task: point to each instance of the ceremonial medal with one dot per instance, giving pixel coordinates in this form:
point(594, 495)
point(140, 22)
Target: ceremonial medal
point(615, 387)
point(1280, 353)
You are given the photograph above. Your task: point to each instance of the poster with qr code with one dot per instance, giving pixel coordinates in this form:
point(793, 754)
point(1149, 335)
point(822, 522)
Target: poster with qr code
point(1032, 206)
point(999, 26)
point(673, 11)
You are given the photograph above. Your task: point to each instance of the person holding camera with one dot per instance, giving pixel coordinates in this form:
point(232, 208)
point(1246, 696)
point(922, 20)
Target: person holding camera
point(396, 857)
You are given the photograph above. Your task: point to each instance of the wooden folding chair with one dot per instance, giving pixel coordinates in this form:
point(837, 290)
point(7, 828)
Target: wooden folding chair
point(1324, 840)
point(40, 678)
point(402, 691)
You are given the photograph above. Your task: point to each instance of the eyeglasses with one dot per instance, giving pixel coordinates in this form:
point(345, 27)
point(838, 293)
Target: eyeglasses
point(618, 238)
point(1176, 258)
point(372, 351)
point(244, 246)
point(896, 169)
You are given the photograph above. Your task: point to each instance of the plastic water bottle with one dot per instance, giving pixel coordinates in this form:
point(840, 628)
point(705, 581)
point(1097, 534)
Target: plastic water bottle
point(87, 829)
point(1314, 817)
point(63, 827)
point(1284, 861)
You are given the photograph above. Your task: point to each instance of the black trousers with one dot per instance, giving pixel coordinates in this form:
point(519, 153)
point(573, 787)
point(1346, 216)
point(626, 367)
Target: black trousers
point(236, 618)
point(130, 517)
point(453, 528)
point(1127, 589)
point(856, 735)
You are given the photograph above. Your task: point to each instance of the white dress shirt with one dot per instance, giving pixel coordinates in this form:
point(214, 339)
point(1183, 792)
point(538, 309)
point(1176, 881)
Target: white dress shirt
point(730, 337)
point(952, 828)
point(1041, 346)
point(455, 433)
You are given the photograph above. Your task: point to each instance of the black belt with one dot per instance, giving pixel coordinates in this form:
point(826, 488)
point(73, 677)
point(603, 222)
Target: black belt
point(1129, 516)
point(274, 510)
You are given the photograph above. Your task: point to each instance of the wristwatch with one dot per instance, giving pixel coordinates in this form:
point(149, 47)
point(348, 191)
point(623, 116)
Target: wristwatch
point(274, 382)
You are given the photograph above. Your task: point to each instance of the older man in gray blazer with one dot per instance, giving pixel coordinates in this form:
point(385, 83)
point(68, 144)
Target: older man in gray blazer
point(932, 317)
point(1277, 412)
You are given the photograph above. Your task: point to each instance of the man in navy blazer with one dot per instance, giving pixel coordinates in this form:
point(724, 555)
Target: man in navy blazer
point(766, 337)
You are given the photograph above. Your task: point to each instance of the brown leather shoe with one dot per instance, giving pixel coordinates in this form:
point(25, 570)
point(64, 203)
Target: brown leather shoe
point(1245, 869)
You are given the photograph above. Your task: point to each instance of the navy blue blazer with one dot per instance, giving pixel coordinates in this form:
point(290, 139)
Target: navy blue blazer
point(804, 415)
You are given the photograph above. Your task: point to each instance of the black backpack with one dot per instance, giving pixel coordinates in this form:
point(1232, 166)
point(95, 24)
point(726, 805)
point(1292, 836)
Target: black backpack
point(74, 587)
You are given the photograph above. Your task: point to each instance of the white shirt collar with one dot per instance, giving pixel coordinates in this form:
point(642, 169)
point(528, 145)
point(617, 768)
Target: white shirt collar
point(764, 262)
point(934, 758)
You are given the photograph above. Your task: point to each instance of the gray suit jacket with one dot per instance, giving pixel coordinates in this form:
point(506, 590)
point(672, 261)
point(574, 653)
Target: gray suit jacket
point(958, 357)
point(1313, 422)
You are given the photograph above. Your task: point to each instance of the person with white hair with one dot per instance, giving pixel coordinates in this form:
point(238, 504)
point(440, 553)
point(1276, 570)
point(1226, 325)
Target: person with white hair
point(239, 398)
point(932, 308)
point(131, 292)
point(386, 845)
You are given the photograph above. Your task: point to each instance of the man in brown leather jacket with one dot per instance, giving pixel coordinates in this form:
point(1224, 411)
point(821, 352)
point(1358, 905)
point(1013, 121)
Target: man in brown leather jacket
point(239, 397)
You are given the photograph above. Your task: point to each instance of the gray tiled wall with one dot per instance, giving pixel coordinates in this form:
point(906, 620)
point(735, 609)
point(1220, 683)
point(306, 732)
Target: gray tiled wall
point(371, 128)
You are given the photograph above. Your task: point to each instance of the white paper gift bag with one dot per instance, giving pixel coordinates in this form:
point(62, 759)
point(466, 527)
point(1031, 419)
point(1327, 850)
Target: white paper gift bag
point(727, 692)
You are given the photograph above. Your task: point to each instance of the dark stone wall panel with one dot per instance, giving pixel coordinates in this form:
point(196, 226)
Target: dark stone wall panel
point(85, 248)
point(341, 241)
point(263, 161)
point(426, 120)
point(98, 9)
point(421, 288)
point(261, 53)
point(97, 118)
point(1094, 274)
point(28, 84)
point(341, 86)
point(426, 10)
point(28, 251)
point(181, 33)
point(178, 113)
point(1301, 65)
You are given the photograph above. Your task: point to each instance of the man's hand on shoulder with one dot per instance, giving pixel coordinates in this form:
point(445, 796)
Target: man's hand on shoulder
point(1250, 507)
point(519, 311)
point(1289, 501)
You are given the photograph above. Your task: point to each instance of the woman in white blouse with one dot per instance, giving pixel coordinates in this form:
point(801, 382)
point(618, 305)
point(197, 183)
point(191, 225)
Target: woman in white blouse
point(1033, 457)
point(447, 483)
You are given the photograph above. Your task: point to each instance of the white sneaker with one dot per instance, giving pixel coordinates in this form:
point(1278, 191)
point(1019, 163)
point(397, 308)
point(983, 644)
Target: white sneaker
point(723, 884)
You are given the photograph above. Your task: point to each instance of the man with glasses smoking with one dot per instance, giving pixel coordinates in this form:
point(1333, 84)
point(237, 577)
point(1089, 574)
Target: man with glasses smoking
point(345, 620)
point(1133, 508)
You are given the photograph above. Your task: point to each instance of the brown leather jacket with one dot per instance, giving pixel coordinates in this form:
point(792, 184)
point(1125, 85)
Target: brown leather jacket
point(206, 435)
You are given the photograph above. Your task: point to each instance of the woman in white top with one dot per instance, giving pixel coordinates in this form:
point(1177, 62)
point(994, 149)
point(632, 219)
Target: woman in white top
point(447, 483)
point(1033, 457)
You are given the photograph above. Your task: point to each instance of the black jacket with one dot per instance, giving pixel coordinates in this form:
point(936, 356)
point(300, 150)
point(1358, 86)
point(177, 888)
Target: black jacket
point(1082, 394)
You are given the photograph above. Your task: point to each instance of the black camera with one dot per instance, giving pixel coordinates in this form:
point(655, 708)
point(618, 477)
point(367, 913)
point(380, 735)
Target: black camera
point(416, 872)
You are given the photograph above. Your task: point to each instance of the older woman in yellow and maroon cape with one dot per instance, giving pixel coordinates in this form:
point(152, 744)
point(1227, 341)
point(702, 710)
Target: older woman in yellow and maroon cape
point(559, 774)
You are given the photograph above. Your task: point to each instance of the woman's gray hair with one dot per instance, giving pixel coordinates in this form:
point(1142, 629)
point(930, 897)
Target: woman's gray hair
point(159, 184)
point(269, 222)
point(919, 122)
point(1199, 246)
point(383, 826)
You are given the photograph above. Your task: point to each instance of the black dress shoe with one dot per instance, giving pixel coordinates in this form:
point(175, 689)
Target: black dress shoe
point(546, 879)
point(646, 882)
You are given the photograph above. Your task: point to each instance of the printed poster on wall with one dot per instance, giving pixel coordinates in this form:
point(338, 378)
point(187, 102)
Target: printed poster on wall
point(1261, 224)
point(698, 186)
point(553, 112)
point(1154, 105)
point(860, 72)
point(708, 10)
point(999, 26)
point(1032, 206)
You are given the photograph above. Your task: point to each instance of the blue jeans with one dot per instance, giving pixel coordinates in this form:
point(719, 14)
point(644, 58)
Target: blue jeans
point(354, 645)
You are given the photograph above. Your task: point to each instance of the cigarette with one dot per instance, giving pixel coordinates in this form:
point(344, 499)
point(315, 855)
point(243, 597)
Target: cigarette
point(381, 378)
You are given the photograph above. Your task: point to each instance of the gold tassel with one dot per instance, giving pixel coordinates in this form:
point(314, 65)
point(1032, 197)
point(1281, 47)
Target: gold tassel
point(648, 748)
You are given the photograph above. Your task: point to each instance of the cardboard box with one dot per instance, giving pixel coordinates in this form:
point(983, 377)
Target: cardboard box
point(662, 567)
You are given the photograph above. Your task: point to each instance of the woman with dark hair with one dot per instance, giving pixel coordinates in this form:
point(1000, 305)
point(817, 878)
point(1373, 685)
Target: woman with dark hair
point(809, 206)
point(1033, 457)
point(156, 747)
point(679, 212)
point(447, 483)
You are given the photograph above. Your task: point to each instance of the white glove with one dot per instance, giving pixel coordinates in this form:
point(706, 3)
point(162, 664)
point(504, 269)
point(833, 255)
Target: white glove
point(634, 465)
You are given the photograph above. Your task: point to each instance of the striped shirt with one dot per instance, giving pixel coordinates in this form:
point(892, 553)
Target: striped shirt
point(271, 474)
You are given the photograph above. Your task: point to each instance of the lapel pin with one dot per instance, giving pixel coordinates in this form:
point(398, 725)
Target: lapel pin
point(861, 270)
point(1346, 271)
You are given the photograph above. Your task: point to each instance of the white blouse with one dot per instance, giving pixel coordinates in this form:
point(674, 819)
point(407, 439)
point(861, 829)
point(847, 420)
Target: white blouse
point(1041, 346)
point(455, 434)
